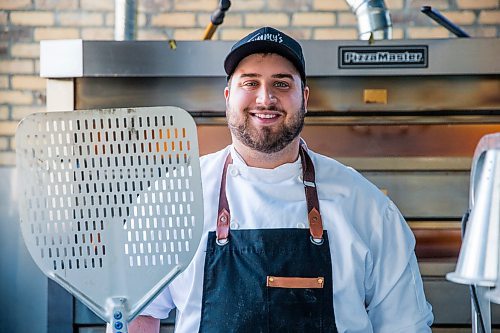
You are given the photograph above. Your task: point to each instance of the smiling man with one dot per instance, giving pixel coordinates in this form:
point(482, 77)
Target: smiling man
point(265, 109)
point(294, 241)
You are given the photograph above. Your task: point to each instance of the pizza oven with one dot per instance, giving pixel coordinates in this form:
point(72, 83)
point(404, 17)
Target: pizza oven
point(406, 113)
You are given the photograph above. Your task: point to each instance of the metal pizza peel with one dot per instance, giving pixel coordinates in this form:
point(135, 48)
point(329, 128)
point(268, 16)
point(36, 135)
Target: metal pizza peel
point(110, 202)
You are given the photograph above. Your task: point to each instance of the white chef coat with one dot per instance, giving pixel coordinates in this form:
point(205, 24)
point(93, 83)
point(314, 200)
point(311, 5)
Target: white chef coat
point(377, 285)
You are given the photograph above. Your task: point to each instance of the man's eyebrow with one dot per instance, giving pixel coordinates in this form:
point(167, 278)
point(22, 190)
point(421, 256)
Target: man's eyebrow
point(250, 75)
point(283, 76)
point(275, 76)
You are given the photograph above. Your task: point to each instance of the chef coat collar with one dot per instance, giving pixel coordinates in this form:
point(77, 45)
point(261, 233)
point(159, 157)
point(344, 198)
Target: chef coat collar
point(271, 176)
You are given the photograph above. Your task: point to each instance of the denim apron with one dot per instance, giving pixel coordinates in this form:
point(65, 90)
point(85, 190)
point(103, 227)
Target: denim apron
point(268, 280)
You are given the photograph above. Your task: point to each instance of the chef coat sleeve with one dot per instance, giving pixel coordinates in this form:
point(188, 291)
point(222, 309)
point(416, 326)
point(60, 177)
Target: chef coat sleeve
point(395, 298)
point(161, 306)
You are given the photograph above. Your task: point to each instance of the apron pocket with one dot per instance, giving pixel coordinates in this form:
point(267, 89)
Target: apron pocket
point(295, 304)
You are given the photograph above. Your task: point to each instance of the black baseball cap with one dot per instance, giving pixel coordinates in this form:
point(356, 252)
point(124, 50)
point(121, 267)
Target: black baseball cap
point(266, 40)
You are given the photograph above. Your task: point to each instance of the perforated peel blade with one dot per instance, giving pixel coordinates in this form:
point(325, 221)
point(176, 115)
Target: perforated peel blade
point(110, 202)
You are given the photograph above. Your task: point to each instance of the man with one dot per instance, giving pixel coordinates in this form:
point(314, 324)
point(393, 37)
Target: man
point(294, 241)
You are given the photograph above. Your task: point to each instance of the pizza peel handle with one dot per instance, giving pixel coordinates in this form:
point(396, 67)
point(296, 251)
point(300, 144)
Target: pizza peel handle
point(111, 202)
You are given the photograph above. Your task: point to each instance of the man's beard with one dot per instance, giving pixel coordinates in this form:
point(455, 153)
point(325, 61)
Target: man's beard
point(266, 139)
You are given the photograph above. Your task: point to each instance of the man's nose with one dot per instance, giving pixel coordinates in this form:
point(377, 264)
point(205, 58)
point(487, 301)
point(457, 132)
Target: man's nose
point(265, 96)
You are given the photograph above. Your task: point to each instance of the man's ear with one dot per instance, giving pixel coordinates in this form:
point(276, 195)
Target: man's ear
point(226, 93)
point(306, 96)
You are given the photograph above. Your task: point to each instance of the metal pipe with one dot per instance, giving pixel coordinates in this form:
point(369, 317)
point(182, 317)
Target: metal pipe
point(374, 20)
point(443, 21)
point(125, 19)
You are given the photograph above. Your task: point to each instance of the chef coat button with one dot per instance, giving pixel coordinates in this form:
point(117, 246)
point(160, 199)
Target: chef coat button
point(301, 225)
point(234, 172)
point(234, 225)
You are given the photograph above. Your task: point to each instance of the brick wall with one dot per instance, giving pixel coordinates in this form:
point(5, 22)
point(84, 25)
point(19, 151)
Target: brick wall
point(25, 22)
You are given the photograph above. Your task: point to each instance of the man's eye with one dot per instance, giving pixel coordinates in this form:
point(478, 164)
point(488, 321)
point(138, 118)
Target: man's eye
point(281, 84)
point(249, 84)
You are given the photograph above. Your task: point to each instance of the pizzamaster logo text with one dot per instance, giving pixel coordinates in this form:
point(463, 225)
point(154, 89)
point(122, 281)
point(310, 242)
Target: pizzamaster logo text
point(383, 57)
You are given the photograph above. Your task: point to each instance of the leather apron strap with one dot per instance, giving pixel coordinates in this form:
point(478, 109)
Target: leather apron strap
point(224, 215)
point(309, 180)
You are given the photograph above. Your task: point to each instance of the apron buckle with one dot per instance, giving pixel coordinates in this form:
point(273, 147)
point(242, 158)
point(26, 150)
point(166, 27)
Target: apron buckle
point(309, 184)
point(317, 241)
point(222, 241)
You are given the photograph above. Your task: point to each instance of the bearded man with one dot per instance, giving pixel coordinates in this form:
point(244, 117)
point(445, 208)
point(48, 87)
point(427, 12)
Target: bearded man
point(293, 241)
